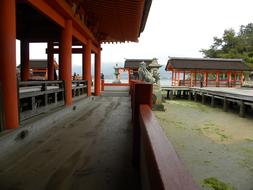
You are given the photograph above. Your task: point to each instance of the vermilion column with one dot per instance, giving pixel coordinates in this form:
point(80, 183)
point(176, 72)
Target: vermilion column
point(24, 60)
point(217, 79)
point(172, 78)
point(8, 63)
point(65, 60)
point(206, 78)
point(50, 59)
point(229, 78)
point(242, 78)
point(87, 66)
point(129, 77)
point(97, 72)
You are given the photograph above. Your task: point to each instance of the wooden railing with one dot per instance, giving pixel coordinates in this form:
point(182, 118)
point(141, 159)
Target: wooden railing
point(36, 97)
point(79, 88)
point(153, 154)
point(209, 83)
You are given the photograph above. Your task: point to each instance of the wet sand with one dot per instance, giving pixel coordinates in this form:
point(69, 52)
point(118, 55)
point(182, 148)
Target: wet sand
point(211, 143)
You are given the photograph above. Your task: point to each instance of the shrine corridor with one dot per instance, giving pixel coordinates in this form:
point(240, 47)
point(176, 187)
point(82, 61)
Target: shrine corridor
point(91, 149)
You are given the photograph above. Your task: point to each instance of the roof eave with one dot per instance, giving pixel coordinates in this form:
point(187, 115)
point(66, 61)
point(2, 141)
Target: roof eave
point(145, 15)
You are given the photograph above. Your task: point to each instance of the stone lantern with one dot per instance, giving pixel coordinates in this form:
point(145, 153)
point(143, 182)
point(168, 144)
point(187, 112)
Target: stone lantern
point(153, 67)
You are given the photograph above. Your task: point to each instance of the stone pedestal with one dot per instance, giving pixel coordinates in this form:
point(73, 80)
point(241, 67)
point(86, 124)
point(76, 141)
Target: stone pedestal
point(157, 98)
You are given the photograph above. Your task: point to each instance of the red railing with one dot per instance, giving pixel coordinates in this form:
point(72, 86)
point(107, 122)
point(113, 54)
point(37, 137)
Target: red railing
point(153, 154)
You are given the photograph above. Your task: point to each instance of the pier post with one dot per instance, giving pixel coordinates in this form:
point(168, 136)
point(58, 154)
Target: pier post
point(50, 59)
point(203, 98)
point(171, 94)
point(97, 72)
point(189, 95)
point(195, 97)
point(24, 47)
point(225, 104)
point(8, 63)
point(242, 109)
point(65, 60)
point(212, 101)
point(87, 66)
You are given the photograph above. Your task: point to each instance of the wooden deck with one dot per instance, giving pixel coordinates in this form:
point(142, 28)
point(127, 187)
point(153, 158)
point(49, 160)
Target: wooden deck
point(91, 149)
point(241, 96)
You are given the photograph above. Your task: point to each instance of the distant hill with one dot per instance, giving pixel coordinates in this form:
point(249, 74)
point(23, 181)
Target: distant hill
point(107, 70)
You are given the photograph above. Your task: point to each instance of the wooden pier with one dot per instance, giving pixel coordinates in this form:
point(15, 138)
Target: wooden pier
point(243, 97)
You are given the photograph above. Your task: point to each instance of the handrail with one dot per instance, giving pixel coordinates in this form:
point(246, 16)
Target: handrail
point(153, 155)
point(164, 169)
point(39, 82)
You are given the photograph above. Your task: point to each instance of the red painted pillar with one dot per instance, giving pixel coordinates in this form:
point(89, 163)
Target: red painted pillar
point(87, 67)
point(217, 79)
point(129, 79)
point(191, 78)
point(50, 59)
point(195, 78)
point(229, 78)
point(184, 78)
point(65, 60)
point(242, 78)
point(102, 85)
point(172, 77)
point(24, 60)
point(97, 72)
point(234, 78)
point(8, 63)
point(206, 78)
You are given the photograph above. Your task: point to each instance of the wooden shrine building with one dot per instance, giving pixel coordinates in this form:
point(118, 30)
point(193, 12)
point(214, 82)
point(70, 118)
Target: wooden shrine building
point(132, 65)
point(206, 72)
point(67, 26)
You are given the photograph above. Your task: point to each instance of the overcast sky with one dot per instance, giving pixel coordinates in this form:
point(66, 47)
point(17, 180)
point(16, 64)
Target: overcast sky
point(175, 28)
point(182, 28)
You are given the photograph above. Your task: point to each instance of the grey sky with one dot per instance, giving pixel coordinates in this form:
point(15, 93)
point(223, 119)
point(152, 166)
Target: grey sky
point(182, 28)
point(174, 28)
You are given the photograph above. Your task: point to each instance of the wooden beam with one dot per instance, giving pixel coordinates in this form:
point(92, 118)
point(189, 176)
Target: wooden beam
point(48, 10)
point(65, 9)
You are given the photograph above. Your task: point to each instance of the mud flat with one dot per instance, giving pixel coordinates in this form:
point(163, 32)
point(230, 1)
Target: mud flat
point(215, 146)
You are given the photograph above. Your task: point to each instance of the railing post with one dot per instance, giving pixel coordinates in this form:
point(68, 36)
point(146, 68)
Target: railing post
point(141, 93)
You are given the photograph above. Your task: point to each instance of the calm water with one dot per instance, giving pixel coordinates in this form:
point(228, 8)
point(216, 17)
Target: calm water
point(163, 82)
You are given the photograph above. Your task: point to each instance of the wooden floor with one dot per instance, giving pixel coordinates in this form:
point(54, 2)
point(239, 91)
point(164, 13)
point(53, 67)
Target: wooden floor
point(89, 151)
point(243, 92)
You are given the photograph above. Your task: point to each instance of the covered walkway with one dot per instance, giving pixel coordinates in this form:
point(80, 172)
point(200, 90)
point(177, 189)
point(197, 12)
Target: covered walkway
point(90, 150)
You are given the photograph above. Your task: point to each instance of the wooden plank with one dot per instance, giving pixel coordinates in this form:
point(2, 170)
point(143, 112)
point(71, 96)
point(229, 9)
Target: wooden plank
point(165, 169)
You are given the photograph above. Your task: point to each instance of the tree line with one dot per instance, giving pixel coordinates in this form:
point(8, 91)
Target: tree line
point(233, 45)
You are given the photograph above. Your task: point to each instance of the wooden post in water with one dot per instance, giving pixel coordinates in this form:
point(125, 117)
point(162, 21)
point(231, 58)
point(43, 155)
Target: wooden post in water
point(212, 101)
point(195, 97)
point(203, 98)
point(189, 95)
point(225, 104)
point(242, 109)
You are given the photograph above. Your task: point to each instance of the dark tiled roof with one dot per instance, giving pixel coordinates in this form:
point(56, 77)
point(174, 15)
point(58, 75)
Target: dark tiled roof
point(207, 64)
point(38, 64)
point(134, 63)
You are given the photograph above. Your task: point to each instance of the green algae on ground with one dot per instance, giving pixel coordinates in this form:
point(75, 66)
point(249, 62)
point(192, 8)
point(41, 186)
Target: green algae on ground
point(216, 184)
point(186, 103)
point(249, 139)
point(213, 132)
